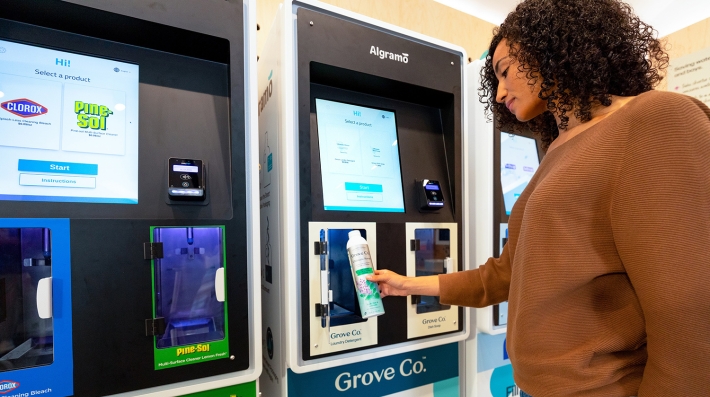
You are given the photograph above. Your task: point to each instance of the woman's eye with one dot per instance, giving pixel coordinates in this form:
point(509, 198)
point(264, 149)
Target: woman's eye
point(505, 72)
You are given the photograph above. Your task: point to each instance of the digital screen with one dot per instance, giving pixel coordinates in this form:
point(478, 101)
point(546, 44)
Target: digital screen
point(518, 163)
point(359, 158)
point(68, 127)
point(185, 168)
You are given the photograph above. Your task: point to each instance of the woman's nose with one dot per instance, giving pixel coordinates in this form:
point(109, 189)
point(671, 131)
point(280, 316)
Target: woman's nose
point(501, 92)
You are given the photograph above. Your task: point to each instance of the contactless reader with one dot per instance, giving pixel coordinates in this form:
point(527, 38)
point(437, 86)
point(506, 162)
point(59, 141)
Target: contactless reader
point(430, 195)
point(186, 179)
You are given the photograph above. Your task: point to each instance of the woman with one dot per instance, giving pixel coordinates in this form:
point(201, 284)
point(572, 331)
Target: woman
point(607, 266)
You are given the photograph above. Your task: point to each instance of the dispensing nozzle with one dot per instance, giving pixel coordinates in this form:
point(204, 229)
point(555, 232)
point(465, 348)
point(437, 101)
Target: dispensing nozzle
point(190, 237)
point(46, 244)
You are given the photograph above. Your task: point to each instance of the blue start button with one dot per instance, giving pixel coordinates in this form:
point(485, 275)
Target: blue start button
point(57, 167)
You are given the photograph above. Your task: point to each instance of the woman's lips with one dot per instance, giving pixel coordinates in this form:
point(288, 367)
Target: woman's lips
point(509, 103)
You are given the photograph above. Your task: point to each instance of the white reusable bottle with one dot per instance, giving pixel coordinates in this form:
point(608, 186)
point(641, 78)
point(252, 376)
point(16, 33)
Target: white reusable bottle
point(368, 294)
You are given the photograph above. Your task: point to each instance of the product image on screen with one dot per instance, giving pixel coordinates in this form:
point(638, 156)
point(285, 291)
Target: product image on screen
point(518, 163)
point(359, 158)
point(68, 127)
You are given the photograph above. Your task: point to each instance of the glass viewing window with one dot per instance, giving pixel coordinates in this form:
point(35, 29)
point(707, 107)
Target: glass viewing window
point(431, 259)
point(344, 309)
point(26, 335)
point(185, 285)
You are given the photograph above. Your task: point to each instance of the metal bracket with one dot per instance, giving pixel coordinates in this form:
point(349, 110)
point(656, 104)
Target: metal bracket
point(27, 262)
point(190, 251)
point(448, 265)
point(320, 309)
point(320, 247)
point(414, 245)
point(155, 326)
point(152, 251)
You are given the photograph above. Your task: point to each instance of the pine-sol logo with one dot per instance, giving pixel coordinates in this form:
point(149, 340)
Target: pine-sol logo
point(7, 386)
point(24, 108)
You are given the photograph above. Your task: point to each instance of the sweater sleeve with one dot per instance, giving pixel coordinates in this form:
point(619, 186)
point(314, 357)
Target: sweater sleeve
point(660, 215)
point(487, 285)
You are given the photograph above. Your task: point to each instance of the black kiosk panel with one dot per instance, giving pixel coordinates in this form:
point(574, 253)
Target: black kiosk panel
point(186, 111)
point(363, 69)
point(421, 148)
point(181, 99)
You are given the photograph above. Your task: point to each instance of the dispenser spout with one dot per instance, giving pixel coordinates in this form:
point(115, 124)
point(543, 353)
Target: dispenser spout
point(190, 237)
point(46, 244)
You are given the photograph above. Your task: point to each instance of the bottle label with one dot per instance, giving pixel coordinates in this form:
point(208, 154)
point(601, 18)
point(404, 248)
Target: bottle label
point(368, 293)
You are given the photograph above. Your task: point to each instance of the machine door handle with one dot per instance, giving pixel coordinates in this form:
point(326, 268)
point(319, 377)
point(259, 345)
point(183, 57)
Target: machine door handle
point(219, 284)
point(44, 298)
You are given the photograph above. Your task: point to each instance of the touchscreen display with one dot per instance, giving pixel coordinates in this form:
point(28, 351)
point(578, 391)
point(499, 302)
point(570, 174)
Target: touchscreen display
point(68, 127)
point(518, 163)
point(359, 158)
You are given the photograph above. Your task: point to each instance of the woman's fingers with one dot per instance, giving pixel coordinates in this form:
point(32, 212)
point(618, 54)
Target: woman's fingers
point(387, 281)
point(387, 290)
point(380, 276)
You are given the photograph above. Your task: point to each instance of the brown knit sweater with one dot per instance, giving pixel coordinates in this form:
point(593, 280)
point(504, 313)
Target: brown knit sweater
point(607, 266)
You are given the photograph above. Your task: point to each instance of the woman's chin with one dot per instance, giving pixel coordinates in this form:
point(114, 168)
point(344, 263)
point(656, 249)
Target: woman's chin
point(526, 114)
point(521, 118)
point(524, 117)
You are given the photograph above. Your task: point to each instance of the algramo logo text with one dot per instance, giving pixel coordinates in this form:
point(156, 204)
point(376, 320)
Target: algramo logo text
point(404, 58)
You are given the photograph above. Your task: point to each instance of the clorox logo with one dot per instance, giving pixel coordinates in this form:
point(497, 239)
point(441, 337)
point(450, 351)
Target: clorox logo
point(7, 386)
point(24, 108)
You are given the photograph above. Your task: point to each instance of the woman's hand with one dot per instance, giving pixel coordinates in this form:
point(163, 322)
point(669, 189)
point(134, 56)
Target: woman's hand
point(393, 284)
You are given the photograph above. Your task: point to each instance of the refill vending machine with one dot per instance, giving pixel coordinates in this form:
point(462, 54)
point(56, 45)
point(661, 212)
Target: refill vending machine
point(128, 223)
point(361, 129)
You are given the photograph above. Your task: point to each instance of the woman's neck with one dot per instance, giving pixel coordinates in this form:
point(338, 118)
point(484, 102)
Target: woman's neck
point(575, 126)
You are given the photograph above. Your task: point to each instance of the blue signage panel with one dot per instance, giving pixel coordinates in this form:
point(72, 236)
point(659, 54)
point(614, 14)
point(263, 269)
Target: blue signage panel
point(491, 352)
point(382, 376)
point(493, 360)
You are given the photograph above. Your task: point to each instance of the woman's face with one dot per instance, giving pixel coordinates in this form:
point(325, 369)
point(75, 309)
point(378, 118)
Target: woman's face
point(514, 89)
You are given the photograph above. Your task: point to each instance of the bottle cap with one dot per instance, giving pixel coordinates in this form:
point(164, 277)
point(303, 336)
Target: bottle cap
point(354, 234)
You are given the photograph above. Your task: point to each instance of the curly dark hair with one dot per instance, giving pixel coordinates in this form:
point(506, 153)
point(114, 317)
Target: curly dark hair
point(583, 51)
